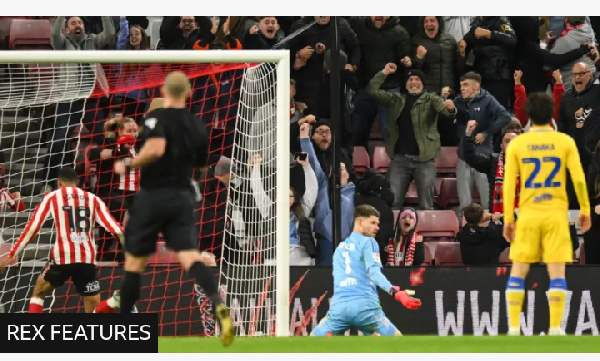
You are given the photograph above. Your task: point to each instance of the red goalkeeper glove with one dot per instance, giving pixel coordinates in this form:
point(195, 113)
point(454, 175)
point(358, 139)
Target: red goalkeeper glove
point(404, 297)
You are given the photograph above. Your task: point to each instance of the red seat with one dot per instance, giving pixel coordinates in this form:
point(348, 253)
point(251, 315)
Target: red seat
point(361, 160)
point(448, 254)
point(381, 161)
point(449, 193)
point(427, 261)
point(437, 224)
point(411, 197)
point(446, 162)
point(504, 259)
point(29, 34)
point(163, 255)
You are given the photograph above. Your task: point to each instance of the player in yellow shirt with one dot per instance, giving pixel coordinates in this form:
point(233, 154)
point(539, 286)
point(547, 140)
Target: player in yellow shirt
point(539, 160)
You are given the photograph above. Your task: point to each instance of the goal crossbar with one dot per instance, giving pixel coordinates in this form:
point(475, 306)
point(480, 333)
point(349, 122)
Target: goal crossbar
point(280, 58)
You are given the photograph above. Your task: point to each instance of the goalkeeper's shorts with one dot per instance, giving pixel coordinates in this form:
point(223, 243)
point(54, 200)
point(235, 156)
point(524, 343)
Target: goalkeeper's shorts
point(364, 315)
point(542, 237)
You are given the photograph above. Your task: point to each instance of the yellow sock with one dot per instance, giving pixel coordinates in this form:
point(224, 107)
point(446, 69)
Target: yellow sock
point(514, 299)
point(557, 299)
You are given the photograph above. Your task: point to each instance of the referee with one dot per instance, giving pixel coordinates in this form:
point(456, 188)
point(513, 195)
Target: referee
point(175, 144)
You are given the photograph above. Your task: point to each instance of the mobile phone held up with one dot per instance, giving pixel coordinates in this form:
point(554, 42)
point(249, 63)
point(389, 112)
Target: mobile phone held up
point(300, 156)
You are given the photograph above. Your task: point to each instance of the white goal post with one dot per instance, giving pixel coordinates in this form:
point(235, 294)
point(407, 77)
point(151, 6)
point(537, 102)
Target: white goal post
point(282, 165)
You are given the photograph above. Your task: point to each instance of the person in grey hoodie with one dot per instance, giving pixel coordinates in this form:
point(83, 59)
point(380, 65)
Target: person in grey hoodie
point(577, 32)
point(75, 38)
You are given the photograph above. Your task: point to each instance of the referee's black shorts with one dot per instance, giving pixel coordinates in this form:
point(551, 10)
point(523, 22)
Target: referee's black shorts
point(166, 210)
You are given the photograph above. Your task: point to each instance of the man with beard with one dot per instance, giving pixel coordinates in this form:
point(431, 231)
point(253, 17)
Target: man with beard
point(75, 37)
point(264, 35)
point(182, 32)
point(413, 141)
point(321, 138)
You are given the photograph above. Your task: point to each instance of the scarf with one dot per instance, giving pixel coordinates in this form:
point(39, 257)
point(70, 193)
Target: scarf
point(402, 256)
point(498, 205)
point(566, 31)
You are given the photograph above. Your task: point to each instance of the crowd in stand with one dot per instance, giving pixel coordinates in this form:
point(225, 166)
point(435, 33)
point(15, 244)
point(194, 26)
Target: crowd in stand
point(457, 83)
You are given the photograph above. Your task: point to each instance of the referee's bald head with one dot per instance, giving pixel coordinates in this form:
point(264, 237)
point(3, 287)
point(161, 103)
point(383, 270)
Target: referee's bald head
point(177, 86)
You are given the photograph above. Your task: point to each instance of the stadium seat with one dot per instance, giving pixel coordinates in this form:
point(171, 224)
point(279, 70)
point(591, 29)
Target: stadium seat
point(381, 161)
point(437, 224)
point(504, 256)
point(361, 160)
point(375, 132)
point(29, 34)
point(448, 193)
point(427, 261)
point(448, 254)
point(446, 162)
point(412, 197)
point(163, 255)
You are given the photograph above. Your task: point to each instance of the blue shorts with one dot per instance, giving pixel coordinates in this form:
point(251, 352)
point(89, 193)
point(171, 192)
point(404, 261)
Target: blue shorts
point(364, 315)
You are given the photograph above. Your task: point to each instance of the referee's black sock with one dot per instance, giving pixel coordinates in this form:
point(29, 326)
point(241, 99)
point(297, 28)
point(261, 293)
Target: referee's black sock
point(207, 281)
point(130, 291)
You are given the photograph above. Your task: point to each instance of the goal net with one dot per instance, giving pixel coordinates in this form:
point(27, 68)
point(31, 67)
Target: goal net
point(80, 109)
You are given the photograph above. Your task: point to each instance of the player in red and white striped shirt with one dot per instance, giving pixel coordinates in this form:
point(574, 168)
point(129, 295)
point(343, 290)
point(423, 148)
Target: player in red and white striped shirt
point(75, 214)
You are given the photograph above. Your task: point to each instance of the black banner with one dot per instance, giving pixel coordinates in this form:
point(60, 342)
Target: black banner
point(456, 300)
point(79, 333)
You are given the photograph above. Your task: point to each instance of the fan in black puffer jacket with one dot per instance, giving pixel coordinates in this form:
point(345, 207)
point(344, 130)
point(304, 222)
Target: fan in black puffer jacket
point(443, 63)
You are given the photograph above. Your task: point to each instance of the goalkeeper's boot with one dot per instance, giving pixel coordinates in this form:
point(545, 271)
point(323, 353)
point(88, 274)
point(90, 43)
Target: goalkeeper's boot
point(556, 331)
point(117, 301)
point(227, 330)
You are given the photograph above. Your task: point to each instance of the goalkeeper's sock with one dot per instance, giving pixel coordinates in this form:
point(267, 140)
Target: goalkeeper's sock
point(207, 281)
point(130, 291)
point(556, 300)
point(36, 305)
point(515, 294)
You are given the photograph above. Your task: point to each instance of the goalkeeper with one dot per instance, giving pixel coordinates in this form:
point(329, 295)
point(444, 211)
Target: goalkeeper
point(356, 272)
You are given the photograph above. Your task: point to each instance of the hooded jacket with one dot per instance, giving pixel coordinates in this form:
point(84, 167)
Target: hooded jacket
point(442, 63)
point(491, 117)
point(480, 245)
point(494, 56)
point(531, 59)
point(378, 47)
point(572, 40)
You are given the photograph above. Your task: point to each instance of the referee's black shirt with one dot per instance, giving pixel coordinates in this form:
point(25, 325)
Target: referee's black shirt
point(186, 149)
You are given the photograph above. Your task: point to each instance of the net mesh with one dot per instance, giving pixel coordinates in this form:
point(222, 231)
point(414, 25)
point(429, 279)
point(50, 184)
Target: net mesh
point(54, 115)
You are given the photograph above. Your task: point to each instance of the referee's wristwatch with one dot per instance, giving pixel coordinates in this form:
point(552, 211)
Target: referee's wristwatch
point(127, 165)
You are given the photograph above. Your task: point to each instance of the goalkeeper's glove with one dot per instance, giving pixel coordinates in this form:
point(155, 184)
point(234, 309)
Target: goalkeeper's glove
point(404, 297)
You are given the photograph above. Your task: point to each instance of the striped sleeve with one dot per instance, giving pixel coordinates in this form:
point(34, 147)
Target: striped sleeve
point(106, 220)
point(8, 198)
point(33, 226)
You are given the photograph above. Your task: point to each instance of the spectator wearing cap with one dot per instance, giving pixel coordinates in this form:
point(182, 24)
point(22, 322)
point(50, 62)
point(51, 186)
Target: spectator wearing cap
point(491, 117)
point(492, 40)
point(382, 40)
point(413, 140)
point(576, 33)
point(323, 211)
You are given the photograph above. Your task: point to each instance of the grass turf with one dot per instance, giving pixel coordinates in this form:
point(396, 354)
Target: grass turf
point(405, 344)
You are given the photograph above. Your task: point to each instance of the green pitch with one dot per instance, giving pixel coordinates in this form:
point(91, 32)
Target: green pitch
point(383, 344)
